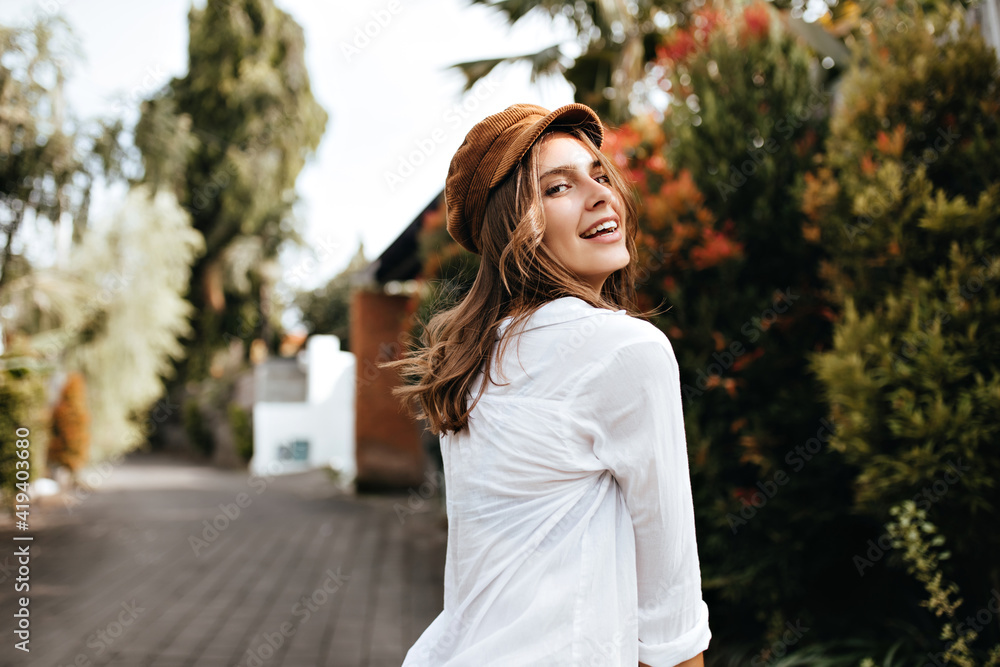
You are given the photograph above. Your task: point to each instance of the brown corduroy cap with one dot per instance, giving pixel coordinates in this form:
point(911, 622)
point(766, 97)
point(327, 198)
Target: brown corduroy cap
point(489, 153)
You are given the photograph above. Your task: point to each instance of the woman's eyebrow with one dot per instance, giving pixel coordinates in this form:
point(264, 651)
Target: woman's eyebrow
point(567, 168)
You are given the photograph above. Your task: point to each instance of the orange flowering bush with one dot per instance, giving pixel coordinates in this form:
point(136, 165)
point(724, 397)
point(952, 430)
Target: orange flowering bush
point(70, 442)
point(725, 245)
point(684, 42)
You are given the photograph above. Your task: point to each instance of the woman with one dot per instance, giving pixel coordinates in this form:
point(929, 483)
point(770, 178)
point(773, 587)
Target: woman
point(570, 522)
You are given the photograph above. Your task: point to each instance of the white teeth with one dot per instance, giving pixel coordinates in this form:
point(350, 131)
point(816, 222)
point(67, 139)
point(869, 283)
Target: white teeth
point(611, 224)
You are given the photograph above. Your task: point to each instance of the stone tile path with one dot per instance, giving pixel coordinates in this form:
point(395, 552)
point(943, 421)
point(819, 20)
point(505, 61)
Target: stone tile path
point(174, 564)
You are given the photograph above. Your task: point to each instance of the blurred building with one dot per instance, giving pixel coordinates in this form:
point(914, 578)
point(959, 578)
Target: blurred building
point(303, 415)
point(391, 446)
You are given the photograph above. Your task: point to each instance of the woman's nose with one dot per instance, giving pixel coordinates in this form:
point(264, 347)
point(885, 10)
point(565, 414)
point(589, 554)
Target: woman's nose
point(600, 194)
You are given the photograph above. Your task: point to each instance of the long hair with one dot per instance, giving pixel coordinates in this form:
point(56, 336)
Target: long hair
point(517, 275)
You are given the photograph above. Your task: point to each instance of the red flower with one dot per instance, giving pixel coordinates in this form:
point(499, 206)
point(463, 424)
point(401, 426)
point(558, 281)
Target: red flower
point(892, 144)
point(757, 19)
point(686, 41)
point(433, 219)
point(680, 46)
point(868, 166)
point(619, 143)
point(745, 360)
point(716, 248)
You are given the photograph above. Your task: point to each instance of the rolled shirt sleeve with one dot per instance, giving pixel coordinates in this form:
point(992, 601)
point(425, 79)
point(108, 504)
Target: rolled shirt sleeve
point(632, 399)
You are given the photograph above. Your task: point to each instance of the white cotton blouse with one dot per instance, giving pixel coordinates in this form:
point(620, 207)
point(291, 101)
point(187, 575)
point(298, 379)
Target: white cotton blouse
point(571, 535)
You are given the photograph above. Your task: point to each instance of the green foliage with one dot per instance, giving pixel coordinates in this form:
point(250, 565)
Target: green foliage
point(447, 269)
point(83, 313)
point(616, 40)
point(726, 247)
point(845, 653)
point(326, 310)
point(230, 138)
point(908, 199)
point(22, 405)
point(616, 72)
point(750, 112)
point(137, 272)
point(48, 160)
point(912, 532)
point(84, 317)
point(197, 429)
point(241, 425)
point(907, 132)
point(936, 88)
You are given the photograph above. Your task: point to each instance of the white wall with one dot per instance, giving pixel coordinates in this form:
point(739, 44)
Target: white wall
point(325, 422)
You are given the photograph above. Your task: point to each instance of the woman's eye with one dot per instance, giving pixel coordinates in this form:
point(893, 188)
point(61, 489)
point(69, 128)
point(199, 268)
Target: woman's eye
point(603, 178)
point(555, 188)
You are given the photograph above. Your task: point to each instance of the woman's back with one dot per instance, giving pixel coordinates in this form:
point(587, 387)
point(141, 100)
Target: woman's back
point(571, 534)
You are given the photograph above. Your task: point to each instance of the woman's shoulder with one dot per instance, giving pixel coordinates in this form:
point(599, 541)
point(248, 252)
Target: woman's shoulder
point(570, 312)
point(607, 362)
point(602, 332)
point(567, 339)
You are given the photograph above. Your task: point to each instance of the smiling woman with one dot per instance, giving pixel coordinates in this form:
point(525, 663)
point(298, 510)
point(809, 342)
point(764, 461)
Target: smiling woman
point(570, 520)
point(583, 213)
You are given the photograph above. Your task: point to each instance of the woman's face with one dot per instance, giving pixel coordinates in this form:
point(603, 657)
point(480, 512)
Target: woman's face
point(576, 198)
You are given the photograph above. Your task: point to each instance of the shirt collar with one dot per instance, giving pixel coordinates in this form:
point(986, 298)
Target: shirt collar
point(563, 309)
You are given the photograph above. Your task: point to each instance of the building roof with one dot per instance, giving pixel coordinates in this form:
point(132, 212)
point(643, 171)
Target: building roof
point(401, 260)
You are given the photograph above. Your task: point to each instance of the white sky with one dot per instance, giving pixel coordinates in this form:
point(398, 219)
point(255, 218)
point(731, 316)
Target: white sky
point(384, 102)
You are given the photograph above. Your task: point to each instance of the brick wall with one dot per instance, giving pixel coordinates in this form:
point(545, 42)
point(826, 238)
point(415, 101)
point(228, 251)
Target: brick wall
point(389, 450)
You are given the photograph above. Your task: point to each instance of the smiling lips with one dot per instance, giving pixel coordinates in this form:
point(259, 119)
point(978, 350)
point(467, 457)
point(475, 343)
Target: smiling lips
point(605, 227)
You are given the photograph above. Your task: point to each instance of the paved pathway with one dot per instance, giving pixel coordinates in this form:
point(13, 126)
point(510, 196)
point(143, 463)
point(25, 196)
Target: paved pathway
point(149, 571)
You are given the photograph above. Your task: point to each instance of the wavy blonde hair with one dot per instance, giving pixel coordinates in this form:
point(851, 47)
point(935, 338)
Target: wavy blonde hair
point(517, 274)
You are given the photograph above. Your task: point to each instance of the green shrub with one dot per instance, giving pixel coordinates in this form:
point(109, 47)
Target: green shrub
point(923, 552)
point(241, 424)
point(197, 429)
point(907, 198)
point(724, 244)
point(22, 406)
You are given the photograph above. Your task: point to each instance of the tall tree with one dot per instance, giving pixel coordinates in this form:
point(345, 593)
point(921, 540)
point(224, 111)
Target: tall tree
point(48, 160)
point(80, 313)
point(230, 138)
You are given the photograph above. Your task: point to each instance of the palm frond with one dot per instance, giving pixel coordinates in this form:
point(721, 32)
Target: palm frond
point(515, 10)
point(546, 61)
